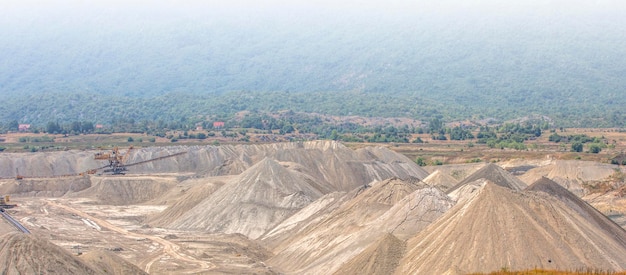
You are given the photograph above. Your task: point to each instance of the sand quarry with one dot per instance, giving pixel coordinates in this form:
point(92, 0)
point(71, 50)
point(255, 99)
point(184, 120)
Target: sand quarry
point(308, 208)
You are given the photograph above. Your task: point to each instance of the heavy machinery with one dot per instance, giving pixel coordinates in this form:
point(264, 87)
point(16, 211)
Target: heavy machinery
point(117, 161)
point(4, 202)
point(116, 164)
point(17, 174)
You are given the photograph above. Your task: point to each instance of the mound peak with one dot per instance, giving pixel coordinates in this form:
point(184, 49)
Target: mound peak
point(517, 230)
point(322, 247)
point(495, 174)
point(441, 180)
point(110, 263)
point(252, 203)
point(554, 189)
point(414, 212)
point(389, 191)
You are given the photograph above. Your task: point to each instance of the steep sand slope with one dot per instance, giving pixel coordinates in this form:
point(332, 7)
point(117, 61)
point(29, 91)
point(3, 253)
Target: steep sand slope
point(109, 263)
point(322, 247)
point(115, 190)
point(27, 254)
point(282, 234)
point(441, 180)
point(189, 195)
point(457, 171)
point(47, 163)
point(54, 187)
point(329, 162)
point(495, 174)
point(571, 174)
point(253, 203)
point(502, 228)
point(585, 210)
point(381, 257)
point(413, 213)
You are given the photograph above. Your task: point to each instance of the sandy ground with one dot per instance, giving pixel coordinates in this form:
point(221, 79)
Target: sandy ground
point(79, 225)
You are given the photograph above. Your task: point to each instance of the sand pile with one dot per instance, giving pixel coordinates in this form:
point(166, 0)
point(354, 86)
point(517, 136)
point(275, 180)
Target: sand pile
point(115, 190)
point(254, 202)
point(495, 174)
point(413, 213)
point(44, 187)
point(503, 228)
point(322, 247)
point(185, 197)
point(571, 174)
point(585, 210)
point(457, 171)
point(441, 180)
point(109, 263)
point(381, 257)
point(280, 236)
point(27, 254)
point(42, 164)
point(329, 163)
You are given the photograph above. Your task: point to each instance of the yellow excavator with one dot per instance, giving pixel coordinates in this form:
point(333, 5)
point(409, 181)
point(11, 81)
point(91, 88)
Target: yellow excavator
point(4, 203)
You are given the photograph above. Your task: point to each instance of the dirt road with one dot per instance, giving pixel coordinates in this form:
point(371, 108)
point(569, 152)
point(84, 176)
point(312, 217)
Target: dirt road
point(169, 248)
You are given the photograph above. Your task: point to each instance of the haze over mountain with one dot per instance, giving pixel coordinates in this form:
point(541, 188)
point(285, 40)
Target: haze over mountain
point(484, 57)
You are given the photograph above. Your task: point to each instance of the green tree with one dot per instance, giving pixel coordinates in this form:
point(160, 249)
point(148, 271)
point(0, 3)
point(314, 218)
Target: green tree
point(334, 135)
point(53, 128)
point(577, 147)
point(420, 161)
point(595, 148)
point(14, 125)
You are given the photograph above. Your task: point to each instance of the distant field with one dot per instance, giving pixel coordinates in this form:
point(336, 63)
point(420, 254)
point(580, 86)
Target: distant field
point(431, 151)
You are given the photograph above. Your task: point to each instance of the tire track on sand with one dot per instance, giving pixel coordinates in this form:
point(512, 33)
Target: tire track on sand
point(169, 248)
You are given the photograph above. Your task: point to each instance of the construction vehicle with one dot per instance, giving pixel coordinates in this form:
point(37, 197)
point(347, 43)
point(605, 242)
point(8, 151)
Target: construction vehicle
point(17, 174)
point(4, 202)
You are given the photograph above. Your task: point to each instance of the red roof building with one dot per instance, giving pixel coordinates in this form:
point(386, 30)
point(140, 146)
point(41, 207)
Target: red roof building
point(23, 127)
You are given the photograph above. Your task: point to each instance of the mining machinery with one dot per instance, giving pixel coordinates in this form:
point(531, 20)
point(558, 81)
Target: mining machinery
point(116, 164)
point(4, 203)
point(117, 161)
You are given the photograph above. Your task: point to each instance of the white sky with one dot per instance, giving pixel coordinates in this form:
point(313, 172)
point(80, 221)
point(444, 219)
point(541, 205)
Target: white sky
point(16, 12)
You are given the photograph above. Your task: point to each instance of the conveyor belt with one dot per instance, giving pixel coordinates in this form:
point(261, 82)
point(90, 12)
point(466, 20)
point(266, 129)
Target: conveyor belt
point(15, 223)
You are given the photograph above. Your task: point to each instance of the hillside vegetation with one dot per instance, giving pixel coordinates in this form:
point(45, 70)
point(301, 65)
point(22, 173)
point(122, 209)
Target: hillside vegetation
point(102, 65)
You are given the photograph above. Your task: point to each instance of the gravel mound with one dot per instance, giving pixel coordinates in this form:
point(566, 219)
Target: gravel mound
point(441, 180)
point(503, 228)
point(495, 174)
point(382, 257)
point(27, 254)
point(324, 246)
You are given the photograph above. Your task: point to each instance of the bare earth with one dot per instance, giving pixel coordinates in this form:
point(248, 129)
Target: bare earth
point(308, 208)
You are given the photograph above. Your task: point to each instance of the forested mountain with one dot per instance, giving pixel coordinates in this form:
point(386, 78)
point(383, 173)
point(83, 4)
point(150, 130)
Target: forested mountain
point(504, 60)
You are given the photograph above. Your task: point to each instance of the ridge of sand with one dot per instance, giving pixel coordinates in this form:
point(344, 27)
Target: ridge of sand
point(110, 263)
point(500, 227)
point(441, 180)
point(254, 202)
point(28, 254)
point(495, 174)
point(322, 248)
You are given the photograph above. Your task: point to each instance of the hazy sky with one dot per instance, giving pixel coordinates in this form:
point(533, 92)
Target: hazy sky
point(494, 7)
